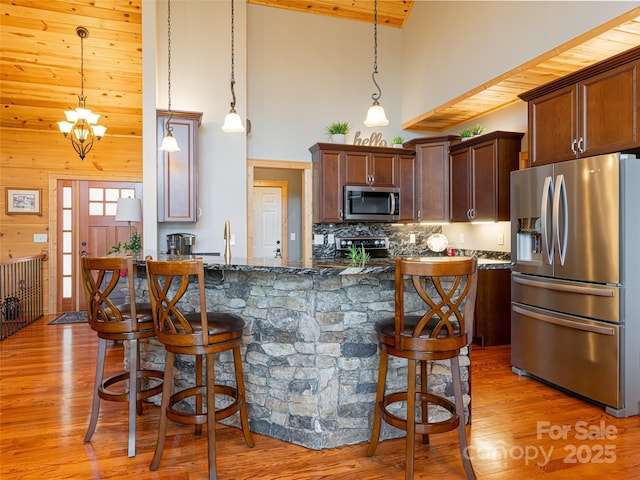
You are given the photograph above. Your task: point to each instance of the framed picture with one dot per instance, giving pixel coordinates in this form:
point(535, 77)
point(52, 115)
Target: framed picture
point(24, 201)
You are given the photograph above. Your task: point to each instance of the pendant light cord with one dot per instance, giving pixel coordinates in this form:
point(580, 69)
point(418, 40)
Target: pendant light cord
point(169, 127)
point(375, 96)
point(233, 78)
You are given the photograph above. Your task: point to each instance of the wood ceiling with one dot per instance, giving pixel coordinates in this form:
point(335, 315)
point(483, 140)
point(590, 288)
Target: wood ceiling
point(40, 61)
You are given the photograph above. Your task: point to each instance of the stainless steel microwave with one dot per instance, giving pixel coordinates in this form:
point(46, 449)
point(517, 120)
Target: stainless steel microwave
point(371, 204)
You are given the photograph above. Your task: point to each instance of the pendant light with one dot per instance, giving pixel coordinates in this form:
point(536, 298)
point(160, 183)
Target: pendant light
point(232, 121)
point(169, 142)
point(375, 116)
point(81, 121)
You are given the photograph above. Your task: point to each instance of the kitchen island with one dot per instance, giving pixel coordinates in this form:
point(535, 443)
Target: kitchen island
point(309, 346)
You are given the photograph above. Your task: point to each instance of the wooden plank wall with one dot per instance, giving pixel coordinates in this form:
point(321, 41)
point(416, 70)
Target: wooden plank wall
point(35, 159)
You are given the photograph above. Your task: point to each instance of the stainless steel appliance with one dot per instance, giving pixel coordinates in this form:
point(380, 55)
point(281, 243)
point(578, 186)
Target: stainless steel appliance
point(575, 314)
point(371, 204)
point(180, 243)
point(376, 247)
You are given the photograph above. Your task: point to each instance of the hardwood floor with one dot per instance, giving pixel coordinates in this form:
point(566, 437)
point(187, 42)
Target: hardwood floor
point(46, 377)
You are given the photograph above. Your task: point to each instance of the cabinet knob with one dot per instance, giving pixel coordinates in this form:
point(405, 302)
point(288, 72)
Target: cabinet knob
point(573, 146)
point(581, 145)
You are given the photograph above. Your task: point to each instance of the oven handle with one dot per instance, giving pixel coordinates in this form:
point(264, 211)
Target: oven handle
point(564, 323)
point(392, 210)
point(599, 292)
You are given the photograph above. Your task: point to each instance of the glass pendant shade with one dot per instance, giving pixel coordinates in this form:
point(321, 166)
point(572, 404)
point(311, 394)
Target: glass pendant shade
point(376, 116)
point(232, 123)
point(169, 143)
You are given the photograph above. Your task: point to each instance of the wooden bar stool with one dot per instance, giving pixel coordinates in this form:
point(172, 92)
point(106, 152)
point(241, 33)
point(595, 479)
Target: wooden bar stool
point(202, 334)
point(132, 322)
point(447, 285)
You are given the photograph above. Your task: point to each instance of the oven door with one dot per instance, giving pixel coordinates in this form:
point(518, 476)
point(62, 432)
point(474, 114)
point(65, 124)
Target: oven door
point(371, 203)
point(579, 355)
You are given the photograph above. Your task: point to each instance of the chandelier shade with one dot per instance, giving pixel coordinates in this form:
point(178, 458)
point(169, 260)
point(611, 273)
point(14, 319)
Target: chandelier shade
point(232, 121)
point(81, 125)
point(376, 116)
point(169, 142)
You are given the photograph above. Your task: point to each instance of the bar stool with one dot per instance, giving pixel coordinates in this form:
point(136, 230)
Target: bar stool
point(132, 321)
point(447, 285)
point(202, 334)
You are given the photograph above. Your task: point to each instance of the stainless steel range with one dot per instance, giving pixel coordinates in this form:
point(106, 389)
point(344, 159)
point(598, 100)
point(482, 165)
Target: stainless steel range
point(376, 247)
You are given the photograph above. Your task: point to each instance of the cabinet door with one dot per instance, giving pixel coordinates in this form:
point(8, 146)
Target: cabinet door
point(610, 108)
point(460, 182)
point(553, 126)
point(178, 171)
point(408, 192)
point(483, 186)
point(327, 186)
point(356, 168)
point(432, 181)
point(383, 170)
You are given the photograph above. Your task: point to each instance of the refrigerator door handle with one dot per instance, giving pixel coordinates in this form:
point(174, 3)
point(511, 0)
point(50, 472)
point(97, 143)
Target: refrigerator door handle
point(560, 287)
point(547, 243)
point(563, 322)
point(560, 236)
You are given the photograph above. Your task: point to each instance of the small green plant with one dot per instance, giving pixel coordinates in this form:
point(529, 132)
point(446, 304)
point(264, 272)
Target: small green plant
point(358, 256)
point(134, 245)
point(397, 140)
point(466, 133)
point(338, 128)
point(477, 130)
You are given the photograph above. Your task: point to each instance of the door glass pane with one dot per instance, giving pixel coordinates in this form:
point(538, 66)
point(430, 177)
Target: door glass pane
point(96, 208)
point(66, 287)
point(128, 193)
point(96, 194)
point(66, 197)
point(66, 220)
point(66, 264)
point(112, 194)
point(66, 242)
point(110, 208)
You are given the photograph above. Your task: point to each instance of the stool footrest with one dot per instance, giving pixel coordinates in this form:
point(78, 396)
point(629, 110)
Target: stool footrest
point(105, 392)
point(188, 418)
point(423, 426)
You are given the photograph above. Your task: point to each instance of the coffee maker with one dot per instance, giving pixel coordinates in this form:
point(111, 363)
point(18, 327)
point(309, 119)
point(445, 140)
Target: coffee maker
point(180, 243)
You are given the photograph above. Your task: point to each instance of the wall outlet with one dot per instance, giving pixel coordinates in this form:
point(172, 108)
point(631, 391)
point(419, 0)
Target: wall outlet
point(412, 238)
point(40, 238)
point(318, 239)
point(330, 238)
point(461, 238)
point(293, 236)
point(501, 239)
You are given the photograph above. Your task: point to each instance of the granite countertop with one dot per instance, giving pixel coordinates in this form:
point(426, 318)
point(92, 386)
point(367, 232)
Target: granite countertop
point(314, 266)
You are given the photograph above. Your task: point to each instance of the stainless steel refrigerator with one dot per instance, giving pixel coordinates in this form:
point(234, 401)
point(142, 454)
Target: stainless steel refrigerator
point(575, 288)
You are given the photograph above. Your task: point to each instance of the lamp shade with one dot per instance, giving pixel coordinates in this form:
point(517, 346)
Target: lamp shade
point(376, 116)
point(128, 210)
point(232, 123)
point(169, 144)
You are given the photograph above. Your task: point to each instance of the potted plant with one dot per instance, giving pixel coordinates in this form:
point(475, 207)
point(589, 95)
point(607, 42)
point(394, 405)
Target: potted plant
point(358, 256)
point(338, 131)
point(397, 141)
point(466, 133)
point(477, 130)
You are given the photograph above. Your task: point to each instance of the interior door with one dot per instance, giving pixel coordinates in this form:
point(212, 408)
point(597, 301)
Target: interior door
point(268, 228)
point(86, 213)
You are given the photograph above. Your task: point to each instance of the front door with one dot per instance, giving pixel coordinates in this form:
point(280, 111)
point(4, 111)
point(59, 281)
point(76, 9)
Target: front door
point(86, 213)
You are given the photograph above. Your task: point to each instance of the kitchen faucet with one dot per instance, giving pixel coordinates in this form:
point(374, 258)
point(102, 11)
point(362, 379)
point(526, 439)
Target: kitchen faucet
point(227, 242)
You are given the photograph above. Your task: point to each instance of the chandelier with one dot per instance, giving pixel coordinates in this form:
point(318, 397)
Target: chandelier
point(81, 123)
point(375, 116)
point(232, 121)
point(169, 142)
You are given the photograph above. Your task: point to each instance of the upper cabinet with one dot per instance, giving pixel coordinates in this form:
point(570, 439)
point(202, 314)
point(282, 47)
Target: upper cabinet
point(591, 112)
point(431, 178)
point(178, 171)
point(336, 165)
point(480, 176)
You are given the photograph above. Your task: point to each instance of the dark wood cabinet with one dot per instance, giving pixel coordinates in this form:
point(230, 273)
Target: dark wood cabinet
point(178, 171)
point(336, 165)
point(492, 321)
point(480, 176)
point(432, 177)
point(590, 112)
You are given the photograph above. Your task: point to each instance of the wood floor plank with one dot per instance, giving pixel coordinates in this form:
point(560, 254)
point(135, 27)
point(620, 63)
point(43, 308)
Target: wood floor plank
point(46, 379)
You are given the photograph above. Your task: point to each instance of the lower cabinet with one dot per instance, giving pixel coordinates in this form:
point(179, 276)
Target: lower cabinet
point(492, 323)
